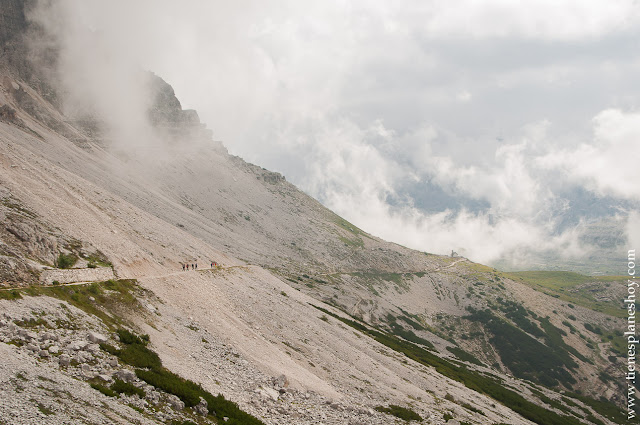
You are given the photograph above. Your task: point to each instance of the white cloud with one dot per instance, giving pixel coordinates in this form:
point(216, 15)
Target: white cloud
point(607, 164)
point(546, 19)
point(352, 100)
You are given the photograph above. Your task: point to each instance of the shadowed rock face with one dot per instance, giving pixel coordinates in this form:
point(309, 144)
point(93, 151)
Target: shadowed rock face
point(12, 20)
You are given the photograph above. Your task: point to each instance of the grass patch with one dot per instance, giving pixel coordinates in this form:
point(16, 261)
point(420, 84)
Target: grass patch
point(400, 412)
point(112, 300)
point(561, 285)
point(13, 294)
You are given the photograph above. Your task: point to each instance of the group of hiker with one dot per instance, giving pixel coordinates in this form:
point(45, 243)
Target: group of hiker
point(194, 265)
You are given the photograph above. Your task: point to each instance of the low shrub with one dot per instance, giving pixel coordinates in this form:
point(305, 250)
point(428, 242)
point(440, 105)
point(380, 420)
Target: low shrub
point(127, 337)
point(66, 261)
point(122, 387)
point(400, 412)
point(190, 392)
point(138, 355)
point(104, 390)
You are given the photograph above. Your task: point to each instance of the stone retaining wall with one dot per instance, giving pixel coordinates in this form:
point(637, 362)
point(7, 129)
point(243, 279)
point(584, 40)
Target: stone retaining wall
point(76, 275)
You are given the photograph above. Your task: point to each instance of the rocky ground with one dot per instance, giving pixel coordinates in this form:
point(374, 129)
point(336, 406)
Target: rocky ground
point(53, 352)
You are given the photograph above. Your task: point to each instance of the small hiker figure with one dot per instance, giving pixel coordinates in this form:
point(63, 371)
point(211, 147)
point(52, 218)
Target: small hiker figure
point(212, 264)
point(191, 266)
point(196, 266)
point(182, 266)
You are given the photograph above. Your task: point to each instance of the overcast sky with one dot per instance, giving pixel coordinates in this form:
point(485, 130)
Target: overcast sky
point(489, 127)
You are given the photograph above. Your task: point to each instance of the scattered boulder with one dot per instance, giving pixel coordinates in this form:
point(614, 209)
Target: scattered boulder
point(27, 335)
point(54, 349)
point(64, 360)
point(125, 375)
point(104, 377)
point(77, 345)
point(93, 348)
point(175, 402)
point(96, 337)
point(44, 354)
point(87, 372)
point(48, 336)
point(281, 382)
point(83, 357)
point(202, 408)
point(268, 393)
point(152, 396)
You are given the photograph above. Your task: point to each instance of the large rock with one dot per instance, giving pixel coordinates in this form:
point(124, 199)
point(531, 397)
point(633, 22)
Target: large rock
point(96, 337)
point(281, 382)
point(64, 360)
point(125, 375)
point(87, 372)
point(202, 408)
point(268, 393)
point(175, 402)
point(77, 345)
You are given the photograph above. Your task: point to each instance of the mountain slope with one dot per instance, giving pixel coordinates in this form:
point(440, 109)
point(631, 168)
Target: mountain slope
point(432, 330)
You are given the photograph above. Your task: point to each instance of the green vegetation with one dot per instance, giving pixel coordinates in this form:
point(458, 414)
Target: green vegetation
point(473, 380)
point(104, 390)
point(32, 323)
point(603, 407)
point(518, 314)
point(65, 261)
point(463, 355)
point(112, 300)
point(562, 285)
point(398, 330)
point(98, 259)
point(122, 387)
point(400, 412)
point(592, 328)
point(190, 392)
point(473, 409)
point(355, 241)
point(149, 369)
point(10, 295)
point(553, 337)
point(45, 410)
point(526, 357)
